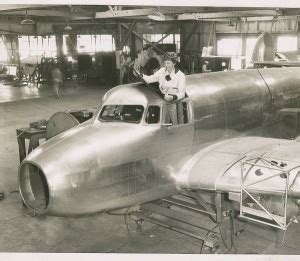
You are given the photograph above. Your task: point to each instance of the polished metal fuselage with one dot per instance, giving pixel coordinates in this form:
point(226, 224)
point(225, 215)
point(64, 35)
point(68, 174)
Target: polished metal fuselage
point(98, 166)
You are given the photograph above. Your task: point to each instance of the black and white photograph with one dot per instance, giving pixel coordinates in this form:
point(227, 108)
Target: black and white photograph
point(150, 129)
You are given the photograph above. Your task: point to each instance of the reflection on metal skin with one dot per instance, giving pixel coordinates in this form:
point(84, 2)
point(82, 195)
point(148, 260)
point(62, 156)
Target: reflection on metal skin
point(221, 164)
point(98, 166)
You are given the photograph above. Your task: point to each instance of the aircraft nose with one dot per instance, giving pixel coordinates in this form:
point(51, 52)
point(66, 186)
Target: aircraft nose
point(33, 187)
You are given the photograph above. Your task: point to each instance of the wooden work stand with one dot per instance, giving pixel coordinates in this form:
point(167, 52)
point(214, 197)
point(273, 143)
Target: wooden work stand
point(33, 135)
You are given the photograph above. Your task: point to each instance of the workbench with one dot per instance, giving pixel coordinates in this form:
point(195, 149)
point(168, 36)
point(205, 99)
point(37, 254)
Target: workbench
point(46, 129)
point(33, 135)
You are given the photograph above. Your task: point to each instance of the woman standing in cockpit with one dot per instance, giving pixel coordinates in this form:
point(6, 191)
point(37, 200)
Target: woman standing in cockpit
point(171, 84)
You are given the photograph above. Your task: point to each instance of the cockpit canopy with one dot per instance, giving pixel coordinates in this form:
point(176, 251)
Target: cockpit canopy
point(134, 103)
point(130, 113)
point(125, 113)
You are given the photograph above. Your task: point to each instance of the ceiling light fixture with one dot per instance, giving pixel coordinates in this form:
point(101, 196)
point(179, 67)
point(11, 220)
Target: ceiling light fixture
point(68, 27)
point(27, 20)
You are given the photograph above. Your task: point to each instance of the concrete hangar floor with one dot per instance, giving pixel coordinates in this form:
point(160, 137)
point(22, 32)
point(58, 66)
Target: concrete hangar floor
point(98, 233)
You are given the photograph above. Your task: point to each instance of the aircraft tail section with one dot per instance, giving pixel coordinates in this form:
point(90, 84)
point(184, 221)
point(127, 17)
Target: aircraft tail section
point(264, 49)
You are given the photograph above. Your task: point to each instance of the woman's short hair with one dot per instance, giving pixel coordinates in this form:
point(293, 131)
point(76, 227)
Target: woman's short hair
point(170, 56)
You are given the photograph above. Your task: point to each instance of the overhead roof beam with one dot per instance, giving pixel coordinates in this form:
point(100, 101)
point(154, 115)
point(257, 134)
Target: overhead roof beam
point(231, 14)
point(184, 13)
point(143, 12)
point(111, 8)
point(15, 7)
point(80, 9)
point(269, 18)
point(127, 35)
point(49, 13)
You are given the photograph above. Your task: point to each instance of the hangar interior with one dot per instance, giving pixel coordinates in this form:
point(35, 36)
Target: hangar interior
point(95, 47)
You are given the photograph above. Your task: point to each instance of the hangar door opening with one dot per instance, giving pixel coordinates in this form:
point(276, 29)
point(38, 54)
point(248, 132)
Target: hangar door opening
point(286, 43)
point(233, 48)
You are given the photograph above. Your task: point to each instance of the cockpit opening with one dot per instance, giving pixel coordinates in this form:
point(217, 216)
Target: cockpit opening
point(153, 114)
point(177, 113)
point(123, 113)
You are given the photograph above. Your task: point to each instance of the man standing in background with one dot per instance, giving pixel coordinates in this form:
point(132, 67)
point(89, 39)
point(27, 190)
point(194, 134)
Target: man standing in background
point(57, 79)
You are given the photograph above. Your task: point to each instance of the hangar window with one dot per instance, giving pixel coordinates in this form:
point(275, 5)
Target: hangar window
point(250, 44)
point(37, 46)
point(3, 50)
point(286, 43)
point(68, 44)
point(231, 47)
point(95, 43)
point(153, 115)
point(125, 113)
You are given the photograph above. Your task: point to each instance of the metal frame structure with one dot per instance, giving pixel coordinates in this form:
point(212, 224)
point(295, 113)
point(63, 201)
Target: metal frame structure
point(184, 213)
point(278, 221)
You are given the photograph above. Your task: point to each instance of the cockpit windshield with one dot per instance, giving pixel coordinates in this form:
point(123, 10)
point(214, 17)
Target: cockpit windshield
point(124, 113)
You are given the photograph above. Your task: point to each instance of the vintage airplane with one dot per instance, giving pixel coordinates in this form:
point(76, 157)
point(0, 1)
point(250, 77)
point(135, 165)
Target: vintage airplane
point(127, 154)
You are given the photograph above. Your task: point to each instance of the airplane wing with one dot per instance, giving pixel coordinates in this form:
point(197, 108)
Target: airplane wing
point(263, 165)
point(277, 64)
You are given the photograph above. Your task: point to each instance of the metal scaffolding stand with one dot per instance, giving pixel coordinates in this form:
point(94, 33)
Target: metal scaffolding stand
point(186, 213)
point(251, 206)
